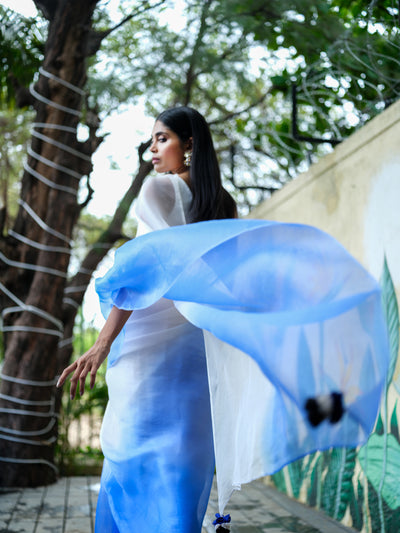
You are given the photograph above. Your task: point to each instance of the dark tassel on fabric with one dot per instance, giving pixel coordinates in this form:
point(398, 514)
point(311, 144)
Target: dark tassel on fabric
point(221, 523)
point(324, 407)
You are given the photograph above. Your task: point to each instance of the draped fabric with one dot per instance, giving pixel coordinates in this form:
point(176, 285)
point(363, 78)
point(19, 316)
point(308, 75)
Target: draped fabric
point(156, 434)
point(287, 315)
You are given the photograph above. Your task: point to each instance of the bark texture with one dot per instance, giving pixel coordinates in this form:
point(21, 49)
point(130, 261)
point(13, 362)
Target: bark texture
point(35, 255)
point(39, 304)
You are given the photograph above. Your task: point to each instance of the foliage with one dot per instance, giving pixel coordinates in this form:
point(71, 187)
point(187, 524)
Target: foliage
point(21, 52)
point(14, 136)
point(237, 62)
point(346, 55)
point(207, 63)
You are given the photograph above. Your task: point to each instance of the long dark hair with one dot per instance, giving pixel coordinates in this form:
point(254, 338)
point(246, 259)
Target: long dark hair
point(210, 199)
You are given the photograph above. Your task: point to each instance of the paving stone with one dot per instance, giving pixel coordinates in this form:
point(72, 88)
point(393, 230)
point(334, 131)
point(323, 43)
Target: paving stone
point(78, 525)
point(257, 508)
point(26, 512)
point(4, 521)
point(53, 510)
point(6, 507)
point(78, 510)
point(50, 525)
point(271, 529)
point(21, 526)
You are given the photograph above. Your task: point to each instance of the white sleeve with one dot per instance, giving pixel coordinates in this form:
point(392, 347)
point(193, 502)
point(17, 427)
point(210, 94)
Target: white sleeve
point(164, 201)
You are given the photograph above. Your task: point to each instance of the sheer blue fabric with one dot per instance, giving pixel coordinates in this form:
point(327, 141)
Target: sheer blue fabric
point(156, 434)
point(286, 297)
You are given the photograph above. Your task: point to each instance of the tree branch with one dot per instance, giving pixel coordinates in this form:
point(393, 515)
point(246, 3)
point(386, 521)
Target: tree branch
point(23, 97)
point(47, 7)
point(96, 37)
point(190, 74)
point(228, 52)
point(234, 114)
point(142, 149)
point(251, 187)
point(89, 194)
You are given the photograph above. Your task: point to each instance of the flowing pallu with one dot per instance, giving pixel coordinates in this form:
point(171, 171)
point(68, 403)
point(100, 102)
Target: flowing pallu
point(288, 315)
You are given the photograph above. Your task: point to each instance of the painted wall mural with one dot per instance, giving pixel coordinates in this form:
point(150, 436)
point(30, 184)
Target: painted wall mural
point(360, 487)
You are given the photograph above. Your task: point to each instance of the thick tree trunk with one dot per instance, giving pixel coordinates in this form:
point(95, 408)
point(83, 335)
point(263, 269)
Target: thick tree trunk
point(38, 250)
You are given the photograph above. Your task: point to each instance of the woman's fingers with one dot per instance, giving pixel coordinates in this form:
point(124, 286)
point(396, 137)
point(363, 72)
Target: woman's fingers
point(82, 379)
point(93, 374)
point(88, 362)
point(74, 382)
point(80, 376)
point(66, 372)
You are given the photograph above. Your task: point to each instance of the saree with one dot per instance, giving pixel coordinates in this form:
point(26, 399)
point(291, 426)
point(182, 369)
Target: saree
point(288, 316)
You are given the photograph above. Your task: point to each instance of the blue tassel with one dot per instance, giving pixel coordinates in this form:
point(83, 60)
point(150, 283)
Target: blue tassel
point(220, 519)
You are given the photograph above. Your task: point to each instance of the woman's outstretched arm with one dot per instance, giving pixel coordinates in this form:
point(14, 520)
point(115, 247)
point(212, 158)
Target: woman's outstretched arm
point(90, 361)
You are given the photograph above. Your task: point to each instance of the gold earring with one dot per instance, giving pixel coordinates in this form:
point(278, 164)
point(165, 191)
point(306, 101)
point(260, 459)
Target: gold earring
point(188, 159)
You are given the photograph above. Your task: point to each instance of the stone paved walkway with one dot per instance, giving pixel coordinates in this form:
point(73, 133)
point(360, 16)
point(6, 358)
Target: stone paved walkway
point(69, 507)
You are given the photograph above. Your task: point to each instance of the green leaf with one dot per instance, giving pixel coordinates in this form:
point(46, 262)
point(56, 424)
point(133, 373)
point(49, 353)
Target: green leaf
point(338, 489)
point(379, 429)
point(313, 493)
point(295, 470)
point(380, 460)
point(279, 81)
point(375, 505)
point(391, 311)
point(279, 481)
point(356, 506)
point(394, 425)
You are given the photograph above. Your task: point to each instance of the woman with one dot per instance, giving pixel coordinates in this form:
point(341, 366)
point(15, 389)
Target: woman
point(287, 295)
point(156, 434)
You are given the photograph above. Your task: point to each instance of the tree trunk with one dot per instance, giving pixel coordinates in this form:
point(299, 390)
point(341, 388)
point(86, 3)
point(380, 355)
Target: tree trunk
point(38, 249)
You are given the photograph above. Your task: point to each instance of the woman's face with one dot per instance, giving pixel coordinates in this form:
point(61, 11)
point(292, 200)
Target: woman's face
point(167, 150)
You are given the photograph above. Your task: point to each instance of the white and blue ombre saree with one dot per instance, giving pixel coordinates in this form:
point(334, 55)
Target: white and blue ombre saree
point(236, 324)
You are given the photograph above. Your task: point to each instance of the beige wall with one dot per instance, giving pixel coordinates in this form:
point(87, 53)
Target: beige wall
point(352, 193)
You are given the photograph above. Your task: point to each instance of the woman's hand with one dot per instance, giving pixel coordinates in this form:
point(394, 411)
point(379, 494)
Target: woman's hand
point(88, 363)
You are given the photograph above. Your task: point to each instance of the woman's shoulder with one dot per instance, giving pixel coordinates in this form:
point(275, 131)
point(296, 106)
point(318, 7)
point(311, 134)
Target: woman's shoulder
point(163, 201)
point(165, 182)
point(165, 187)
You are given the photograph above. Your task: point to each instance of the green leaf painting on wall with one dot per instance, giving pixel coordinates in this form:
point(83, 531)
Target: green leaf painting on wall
point(380, 460)
point(394, 423)
point(391, 518)
point(391, 310)
point(279, 481)
point(357, 505)
point(361, 484)
point(380, 457)
point(337, 489)
point(314, 488)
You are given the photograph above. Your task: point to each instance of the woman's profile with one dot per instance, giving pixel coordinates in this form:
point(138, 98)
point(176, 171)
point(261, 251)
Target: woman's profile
point(221, 335)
